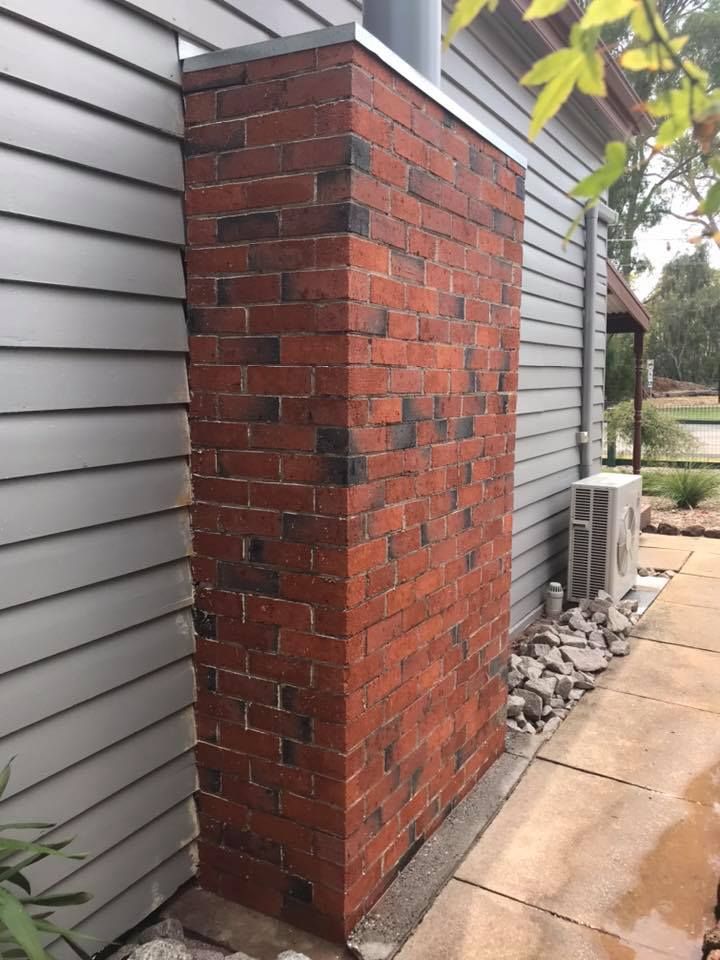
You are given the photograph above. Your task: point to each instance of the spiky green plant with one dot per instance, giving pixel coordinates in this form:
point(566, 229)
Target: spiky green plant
point(24, 927)
point(688, 487)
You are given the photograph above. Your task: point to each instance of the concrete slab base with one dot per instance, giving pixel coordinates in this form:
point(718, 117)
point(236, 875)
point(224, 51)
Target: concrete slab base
point(672, 674)
point(466, 918)
point(662, 559)
point(240, 929)
point(659, 746)
point(636, 864)
point(681, 624)
point(694, 591)
point(383, 931)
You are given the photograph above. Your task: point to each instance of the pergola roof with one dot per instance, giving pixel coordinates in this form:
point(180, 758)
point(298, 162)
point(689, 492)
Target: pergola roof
point(625, 313)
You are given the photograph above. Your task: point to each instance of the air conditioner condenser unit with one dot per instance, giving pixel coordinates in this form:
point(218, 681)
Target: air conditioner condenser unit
point(604, 535)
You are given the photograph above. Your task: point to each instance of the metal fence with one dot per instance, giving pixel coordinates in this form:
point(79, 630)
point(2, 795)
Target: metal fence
point(703, 425)
point(701, 422)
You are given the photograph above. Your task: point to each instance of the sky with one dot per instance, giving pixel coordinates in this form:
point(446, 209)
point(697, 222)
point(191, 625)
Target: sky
point(663, 242)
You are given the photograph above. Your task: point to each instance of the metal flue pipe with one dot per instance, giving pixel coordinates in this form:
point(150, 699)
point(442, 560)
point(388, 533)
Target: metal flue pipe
point(411, 28)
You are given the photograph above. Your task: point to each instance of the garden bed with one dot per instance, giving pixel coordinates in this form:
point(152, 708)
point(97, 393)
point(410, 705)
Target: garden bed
point(702, 521)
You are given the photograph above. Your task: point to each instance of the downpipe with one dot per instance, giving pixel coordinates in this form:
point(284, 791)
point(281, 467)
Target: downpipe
point(592, 217)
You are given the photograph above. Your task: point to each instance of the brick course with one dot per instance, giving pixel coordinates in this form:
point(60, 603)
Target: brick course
point(353, 288)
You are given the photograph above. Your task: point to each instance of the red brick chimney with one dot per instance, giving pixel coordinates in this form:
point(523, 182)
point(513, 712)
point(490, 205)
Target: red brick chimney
point(353, 270)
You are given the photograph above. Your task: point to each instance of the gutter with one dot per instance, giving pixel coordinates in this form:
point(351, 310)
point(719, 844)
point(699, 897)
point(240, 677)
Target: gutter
point(592, 217)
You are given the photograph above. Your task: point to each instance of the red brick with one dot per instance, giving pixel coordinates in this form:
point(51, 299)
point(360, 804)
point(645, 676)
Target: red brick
point(354, 314)
point(247, 163)
point(281, 126)
point(389, 103)
point(216, 260)
point(279, 191)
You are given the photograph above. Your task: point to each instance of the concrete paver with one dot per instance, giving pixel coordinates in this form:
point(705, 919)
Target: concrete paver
point(703, 544)
point(703, 564)
point(465, 918)
point(693, 591)
point(640, 865)
point(681, 624)
point(663, 671)
point(660, 746)
point(662, 559)
point(610, 845)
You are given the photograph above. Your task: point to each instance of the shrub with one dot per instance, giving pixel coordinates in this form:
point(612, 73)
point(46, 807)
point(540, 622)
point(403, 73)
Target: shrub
point(652, 483)
point(662, 436)
point(689, 486)
point(22, 927)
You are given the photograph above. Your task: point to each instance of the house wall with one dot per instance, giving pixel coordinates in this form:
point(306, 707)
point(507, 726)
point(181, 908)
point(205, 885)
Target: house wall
point(92, 387)
point(96, 683)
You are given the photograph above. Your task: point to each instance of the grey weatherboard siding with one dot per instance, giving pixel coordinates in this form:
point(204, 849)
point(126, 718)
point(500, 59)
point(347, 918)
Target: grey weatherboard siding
point(95, 676)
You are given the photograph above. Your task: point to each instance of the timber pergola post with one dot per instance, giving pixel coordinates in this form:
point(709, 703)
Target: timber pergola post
point(626, 314)
point(637, 421)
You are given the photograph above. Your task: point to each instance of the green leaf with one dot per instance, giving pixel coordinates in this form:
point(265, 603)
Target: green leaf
point(5, 776)
point(553, 96)
point(20, 880)
point(27, 826)
point(58, 900)
point(671, 130)
point(20, 926)
point(9, 846)
point(51, 928)
point(464, 13)
point(591, 79)
point(600, 12)
point(711, 202)
point(551, 66)
point(544, 8)
point(652, 57)
point(594, 185)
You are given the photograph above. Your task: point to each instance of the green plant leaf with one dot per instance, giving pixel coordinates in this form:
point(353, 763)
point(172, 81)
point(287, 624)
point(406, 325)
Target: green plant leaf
point(594, 185)
point(539, 9)
point(464, 13)
point(9, 846)
point(652, 56)
point(671, 130)
point(27, 826)
point(600, 12)
point(711, 202)
point(591, 79)
point(58, 900)
point(20, 880)
point(550, 100)
point(5, 776)
point(51, 928)
point(551, 66)
point(20, 926)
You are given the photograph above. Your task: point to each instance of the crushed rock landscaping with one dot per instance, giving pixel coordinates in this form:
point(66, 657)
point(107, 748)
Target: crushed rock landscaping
point(166, 940)
point(557, 661)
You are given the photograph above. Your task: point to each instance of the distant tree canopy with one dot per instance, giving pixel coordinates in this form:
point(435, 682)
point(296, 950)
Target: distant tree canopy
point(649, 39)
point(684, 337)
point(654, 183)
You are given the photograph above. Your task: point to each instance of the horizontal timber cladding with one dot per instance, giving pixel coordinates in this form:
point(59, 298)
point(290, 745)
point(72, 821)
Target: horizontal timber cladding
point(353, 289)
point(96, 678)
